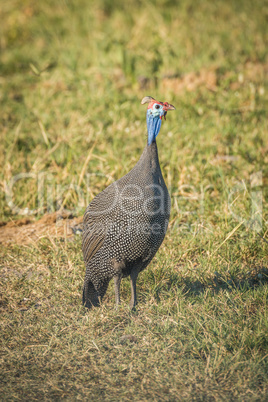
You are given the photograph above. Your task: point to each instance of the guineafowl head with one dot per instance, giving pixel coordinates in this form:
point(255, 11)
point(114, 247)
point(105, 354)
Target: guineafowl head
point(155, 112)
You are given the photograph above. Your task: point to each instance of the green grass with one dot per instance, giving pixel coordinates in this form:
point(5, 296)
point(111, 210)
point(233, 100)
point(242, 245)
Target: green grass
point(72, 75)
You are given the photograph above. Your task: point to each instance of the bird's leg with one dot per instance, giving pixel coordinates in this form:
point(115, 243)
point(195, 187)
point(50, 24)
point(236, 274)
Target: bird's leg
point(102, 289)
point(133, 278)
point(117, 281)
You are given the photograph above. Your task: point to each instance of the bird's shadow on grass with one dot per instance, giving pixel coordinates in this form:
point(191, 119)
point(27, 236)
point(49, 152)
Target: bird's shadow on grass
point(256, 278)
point(189, 288)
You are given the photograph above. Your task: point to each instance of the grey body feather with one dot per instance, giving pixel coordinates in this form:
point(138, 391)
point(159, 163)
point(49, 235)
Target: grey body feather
point(124, 226)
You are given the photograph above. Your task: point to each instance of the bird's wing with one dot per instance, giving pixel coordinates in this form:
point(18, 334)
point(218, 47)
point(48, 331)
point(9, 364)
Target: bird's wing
point(95, 225)
point(93, 239)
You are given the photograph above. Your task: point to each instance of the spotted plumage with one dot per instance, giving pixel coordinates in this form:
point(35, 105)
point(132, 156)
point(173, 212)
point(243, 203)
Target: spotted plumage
point(126, 223)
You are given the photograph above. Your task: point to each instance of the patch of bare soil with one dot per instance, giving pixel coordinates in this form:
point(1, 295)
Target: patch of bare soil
point(191, 81)
point(25, 231)
point(209, 78)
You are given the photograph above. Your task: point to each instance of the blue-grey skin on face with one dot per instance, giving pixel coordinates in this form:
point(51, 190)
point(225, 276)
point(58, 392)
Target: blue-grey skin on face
point(155, 112)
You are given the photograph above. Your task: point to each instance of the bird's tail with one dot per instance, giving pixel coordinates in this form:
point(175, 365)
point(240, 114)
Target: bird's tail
point(90, 295)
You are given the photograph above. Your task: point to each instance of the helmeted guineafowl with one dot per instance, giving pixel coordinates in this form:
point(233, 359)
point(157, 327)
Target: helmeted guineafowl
point(126, 223)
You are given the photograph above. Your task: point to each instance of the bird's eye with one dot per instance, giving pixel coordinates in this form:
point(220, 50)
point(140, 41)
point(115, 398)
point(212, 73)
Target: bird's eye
point(157, 106)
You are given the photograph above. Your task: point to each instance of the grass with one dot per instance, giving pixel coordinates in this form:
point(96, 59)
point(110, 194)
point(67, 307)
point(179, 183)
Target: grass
point(72, 77)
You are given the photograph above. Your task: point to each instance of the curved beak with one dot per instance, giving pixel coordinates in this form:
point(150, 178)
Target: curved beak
point(168, 106)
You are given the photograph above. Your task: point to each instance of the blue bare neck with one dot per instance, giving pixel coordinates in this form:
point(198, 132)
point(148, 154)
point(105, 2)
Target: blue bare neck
point(153, 126)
